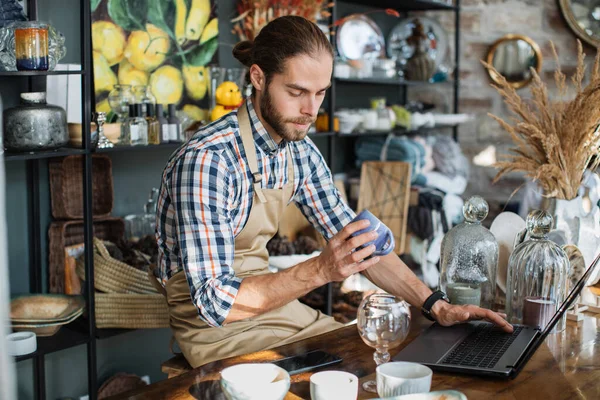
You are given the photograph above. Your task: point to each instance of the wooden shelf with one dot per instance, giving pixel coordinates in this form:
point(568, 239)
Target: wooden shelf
point(404, 5)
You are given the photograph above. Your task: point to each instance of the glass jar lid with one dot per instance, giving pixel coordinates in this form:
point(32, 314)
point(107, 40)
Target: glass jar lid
point(539, 223)
point(475, 209)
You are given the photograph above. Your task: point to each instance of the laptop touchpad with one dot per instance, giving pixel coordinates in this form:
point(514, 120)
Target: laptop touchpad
point(434, 343)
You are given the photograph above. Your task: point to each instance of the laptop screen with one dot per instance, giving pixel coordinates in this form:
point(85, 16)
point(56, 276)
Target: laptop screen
point(571, 297)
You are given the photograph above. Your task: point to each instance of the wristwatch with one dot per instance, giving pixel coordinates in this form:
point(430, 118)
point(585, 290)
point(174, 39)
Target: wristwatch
point(430, 301)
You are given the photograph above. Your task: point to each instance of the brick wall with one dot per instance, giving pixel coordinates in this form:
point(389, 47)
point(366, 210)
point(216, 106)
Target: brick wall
point(483, 22)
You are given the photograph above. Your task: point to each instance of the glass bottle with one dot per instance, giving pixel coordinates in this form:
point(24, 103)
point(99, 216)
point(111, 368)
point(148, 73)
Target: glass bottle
point(163, 123)
point(135, 131)
point(142, 95)
point(153, 126)
point(175, 134)
point(537, 276)
point(31, 46)
point(119, 100)
point(469, 258)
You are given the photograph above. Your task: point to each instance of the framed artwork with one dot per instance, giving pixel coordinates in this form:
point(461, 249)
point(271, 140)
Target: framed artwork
point(165, 45)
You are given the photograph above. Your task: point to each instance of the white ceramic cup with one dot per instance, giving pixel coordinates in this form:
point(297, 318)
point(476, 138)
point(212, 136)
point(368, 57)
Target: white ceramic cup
point(255, 382)
point(338, 385)
point(398, 378)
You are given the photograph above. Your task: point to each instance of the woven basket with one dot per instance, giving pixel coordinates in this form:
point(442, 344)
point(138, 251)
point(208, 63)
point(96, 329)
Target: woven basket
point(67, 233)
point(131, 311)
point(66, 186)
point(120, 383)
point(114, 276)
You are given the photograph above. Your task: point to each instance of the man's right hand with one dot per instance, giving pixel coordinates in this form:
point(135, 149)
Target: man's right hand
point(341, 258)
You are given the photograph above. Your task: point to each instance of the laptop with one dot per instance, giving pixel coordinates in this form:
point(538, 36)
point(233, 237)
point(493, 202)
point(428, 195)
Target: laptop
point(480, 348)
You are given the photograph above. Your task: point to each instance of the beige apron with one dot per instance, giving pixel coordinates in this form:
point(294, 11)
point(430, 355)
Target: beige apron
point(295, 321)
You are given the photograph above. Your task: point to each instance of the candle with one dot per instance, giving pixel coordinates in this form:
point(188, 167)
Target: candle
point(464, 293)
point(537, 311)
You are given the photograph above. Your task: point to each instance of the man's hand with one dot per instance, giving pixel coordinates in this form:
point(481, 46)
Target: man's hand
point(448, 314)
point(340, 258)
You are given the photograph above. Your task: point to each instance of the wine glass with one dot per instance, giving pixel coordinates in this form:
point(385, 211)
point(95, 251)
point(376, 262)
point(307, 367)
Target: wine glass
point(383, 322)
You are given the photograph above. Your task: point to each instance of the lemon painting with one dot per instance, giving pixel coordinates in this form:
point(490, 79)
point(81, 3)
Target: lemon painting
point(164, 44)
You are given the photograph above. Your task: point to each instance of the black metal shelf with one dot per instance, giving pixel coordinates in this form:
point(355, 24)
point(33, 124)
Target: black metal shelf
point(117, 148)
point(405, 5)
point(321, 134)
point(39, 73)
point(389, 81)
point(107, 333)
point(65, 338)
point(35, 155)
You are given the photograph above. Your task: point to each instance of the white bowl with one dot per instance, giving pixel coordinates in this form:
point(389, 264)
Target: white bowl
point(399, 378)
point(255, 382)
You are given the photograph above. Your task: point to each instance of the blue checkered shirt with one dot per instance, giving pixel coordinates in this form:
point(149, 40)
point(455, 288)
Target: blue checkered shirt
point(205, 199)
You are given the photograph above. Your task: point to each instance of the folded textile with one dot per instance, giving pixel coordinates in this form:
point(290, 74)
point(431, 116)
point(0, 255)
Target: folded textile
point(437, 180)
point(449, 158)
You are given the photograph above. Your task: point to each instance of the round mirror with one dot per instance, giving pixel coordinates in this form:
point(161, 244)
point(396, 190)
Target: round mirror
point(583, 17)
point(513, 56)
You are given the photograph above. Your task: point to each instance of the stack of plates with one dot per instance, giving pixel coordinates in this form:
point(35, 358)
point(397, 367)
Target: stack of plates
point(44, 314)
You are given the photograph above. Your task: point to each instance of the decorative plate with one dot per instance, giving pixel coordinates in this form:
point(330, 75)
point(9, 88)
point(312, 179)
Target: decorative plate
point(399, 49)
point(44, 308)
point(359, 37)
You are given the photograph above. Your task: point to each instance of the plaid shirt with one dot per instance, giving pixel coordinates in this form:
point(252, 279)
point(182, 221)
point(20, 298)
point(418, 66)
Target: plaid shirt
point(205, 199)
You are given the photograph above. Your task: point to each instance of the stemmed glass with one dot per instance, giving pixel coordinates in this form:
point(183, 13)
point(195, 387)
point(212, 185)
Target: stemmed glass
point(383, 322)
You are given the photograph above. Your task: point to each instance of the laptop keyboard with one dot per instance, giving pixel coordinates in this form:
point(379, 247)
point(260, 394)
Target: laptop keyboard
point(482, 348)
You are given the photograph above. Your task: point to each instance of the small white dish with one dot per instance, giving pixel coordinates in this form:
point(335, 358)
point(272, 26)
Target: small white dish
point(337, 385)
point(505, 228)
point(437, 395)
point(255, 382)
point(400, 377)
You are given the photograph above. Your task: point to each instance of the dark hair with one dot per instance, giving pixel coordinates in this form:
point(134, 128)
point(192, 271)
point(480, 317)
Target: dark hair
point(280, 39)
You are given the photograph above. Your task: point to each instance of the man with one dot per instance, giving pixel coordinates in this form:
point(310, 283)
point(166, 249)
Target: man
point(224, 192)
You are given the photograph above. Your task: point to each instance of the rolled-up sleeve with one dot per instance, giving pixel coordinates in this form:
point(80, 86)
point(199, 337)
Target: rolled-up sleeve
point(200, 192)
point(318, 198)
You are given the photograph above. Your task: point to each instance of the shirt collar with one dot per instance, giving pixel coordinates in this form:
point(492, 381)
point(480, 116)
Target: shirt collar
point(261, 137)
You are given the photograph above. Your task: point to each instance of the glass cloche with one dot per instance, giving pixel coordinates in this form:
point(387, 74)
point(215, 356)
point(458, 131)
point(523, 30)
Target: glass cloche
point(469, 258)
point(537, 276)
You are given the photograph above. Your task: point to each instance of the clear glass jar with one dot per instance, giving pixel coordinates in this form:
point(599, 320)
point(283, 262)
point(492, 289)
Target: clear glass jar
point(143, 95)
point(119, 100)
point(469, 258)
point(537, 276)
point(135, 129)
point(31, 46)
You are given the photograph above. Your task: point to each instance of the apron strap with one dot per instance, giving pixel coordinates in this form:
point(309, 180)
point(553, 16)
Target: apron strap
point(154, 281)
point(248, 143)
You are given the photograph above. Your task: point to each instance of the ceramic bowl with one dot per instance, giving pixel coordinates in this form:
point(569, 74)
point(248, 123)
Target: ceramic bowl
point(255, 382)
point(401, 377)
point(437, 395)
point(44, 308)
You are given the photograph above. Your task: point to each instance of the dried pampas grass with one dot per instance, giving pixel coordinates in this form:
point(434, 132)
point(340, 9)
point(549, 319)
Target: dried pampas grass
point(556, 141)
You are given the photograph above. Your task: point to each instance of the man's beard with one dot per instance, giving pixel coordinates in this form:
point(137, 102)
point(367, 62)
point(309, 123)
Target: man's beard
point(278, 122)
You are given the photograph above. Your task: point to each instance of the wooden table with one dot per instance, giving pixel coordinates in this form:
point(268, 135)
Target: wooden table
point(566, 366)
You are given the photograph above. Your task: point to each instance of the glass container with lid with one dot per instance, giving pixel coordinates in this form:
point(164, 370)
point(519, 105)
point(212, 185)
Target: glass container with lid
point(469, 258)
point(537, 276)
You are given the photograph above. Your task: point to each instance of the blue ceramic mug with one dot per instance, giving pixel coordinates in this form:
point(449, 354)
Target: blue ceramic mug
point(384, 243)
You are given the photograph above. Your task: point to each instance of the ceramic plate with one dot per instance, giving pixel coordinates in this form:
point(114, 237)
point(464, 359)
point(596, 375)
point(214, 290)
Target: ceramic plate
point(45, 308)
point(505, 228)
point(399, 49)
point(359, 37)
point(437, 395)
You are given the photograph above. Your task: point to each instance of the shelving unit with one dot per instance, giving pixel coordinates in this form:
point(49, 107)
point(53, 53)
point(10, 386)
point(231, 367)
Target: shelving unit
point(84, 331)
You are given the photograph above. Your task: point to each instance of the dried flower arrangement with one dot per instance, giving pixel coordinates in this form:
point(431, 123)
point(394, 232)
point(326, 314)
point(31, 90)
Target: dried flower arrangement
point(254, 14)
point(556, 141)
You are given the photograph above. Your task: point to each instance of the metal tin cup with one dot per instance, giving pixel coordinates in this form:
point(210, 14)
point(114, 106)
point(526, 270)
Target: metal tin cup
point(384, 243)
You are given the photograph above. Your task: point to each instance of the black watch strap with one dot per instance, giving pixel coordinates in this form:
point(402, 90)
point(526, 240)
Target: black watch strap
point(428, 304)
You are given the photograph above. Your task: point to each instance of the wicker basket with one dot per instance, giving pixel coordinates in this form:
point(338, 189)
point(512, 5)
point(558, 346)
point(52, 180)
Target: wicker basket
point(68, 233)
point(131, 311)
point(114, 276)
point(66, 186)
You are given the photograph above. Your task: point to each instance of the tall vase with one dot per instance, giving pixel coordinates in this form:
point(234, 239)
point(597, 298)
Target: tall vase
point(576, 226)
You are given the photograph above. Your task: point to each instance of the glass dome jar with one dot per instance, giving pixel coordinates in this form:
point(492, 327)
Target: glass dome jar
point(537, 276)
point(469, 258)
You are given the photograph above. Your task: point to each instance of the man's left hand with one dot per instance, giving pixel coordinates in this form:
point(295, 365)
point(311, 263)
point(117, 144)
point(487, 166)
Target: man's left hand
point(449, 314)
